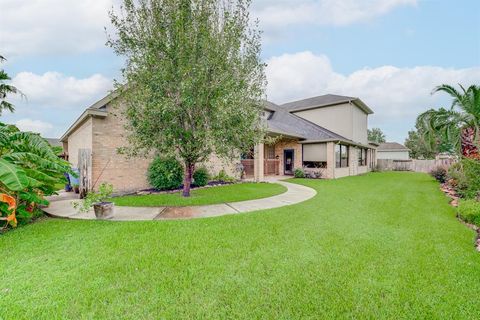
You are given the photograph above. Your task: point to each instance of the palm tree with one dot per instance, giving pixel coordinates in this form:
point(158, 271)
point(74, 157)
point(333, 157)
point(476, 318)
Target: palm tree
point(460, 123)
point(6, 89)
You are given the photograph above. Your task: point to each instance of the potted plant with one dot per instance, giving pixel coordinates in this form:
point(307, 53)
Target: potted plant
point(76, 188)
point(103, 209)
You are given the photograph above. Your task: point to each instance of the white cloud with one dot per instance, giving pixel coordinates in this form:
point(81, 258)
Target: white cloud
point(37, 126)
point(53, 100)
point(58, 26)
point(397, 95)
point(284, 13)
point(56, 90)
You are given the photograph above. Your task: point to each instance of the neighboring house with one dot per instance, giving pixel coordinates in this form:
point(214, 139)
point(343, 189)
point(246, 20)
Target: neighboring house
point(393, 151)
point(54, 142)
point(325, 134)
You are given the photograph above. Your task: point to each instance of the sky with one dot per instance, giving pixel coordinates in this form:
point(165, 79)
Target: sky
point(389, 53)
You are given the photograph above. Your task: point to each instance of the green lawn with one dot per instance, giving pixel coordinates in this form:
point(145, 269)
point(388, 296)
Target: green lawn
point(213, 195)
point(383, 245)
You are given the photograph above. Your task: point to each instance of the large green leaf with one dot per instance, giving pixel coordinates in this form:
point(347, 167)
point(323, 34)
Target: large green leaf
point(12, 177)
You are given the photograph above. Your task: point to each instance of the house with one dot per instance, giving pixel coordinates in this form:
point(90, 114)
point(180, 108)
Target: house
point(393, 151)
point(326, 135)
point(54, 142)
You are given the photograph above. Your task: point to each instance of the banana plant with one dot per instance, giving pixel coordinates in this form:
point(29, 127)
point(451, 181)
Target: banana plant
point(29, 168)
point(12, 177)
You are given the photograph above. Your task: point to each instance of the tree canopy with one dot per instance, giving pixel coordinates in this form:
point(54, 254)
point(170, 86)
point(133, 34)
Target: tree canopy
point(376, 135)
point(426, 146)
point(459, 124)
point(194, 78)
point(6, 89)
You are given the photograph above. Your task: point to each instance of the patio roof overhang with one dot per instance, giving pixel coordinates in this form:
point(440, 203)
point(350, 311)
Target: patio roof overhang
point(277, 133)
point(343, 141)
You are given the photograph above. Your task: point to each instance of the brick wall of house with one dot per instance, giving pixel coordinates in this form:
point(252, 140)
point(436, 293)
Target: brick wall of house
point(330, 171)
point(81, 138)
point(129, 174)
point(285, 144)
point(353, 161)
point(215, 164)
point(126, 174)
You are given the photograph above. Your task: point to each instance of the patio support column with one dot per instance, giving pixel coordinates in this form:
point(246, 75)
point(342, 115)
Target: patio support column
point(258, 162)
point(330, 171)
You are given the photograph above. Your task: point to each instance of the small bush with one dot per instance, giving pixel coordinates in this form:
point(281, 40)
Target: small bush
point(201, 177)
point(469, 211)
point(299, 173)
point(165, 174)
point(104, 191)
point(464, 177)
point(223, 177)
point(439, 173)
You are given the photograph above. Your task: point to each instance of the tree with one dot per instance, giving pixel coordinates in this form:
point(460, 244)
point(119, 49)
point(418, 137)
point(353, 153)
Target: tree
point(426, 146)
point(6, 89)
point(376, 135)
point(459, 124)
point(194, 78)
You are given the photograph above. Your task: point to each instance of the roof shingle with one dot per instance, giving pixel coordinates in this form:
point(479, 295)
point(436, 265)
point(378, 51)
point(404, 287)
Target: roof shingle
point(392, 146)
point(324, 101)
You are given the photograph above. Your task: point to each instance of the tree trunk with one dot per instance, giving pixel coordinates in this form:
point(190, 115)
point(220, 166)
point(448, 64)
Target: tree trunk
point(469, 145)
point(187, 180)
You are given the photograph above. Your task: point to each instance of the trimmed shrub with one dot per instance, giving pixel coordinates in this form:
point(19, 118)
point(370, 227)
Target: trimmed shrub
point(165, 173)
point(469, 211)
point(299, 173)
point(464, 177)
point(223, 177)
point(439, 173)
point(201, 177)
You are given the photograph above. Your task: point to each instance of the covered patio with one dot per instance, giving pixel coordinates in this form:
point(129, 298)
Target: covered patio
point(322, 159)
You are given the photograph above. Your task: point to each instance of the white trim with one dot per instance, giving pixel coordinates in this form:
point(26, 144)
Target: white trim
point(85, 115)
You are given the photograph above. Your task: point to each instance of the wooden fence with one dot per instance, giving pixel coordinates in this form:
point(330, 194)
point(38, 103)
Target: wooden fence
point(412, 165)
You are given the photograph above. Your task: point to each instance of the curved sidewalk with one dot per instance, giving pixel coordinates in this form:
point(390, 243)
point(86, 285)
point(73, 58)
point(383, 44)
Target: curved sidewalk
point(295, 193)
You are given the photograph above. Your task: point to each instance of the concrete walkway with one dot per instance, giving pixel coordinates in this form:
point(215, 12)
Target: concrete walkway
point(61, 206)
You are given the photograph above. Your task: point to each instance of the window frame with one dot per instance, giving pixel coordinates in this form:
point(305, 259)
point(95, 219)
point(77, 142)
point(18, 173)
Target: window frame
point(342, 156)
point(362, 157)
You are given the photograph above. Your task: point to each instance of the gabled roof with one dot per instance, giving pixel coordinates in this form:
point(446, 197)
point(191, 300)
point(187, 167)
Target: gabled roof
point(54, 142)
point(324, 101)
point(97, 109)
point(392, 146)
point(282, 121)
point(95, 112)
point(285, 123)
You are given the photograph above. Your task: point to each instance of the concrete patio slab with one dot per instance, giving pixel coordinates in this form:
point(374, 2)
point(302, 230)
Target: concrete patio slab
point(59, 207)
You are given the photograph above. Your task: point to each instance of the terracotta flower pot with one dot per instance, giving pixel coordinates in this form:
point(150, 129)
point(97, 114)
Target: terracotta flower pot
point(103, 210)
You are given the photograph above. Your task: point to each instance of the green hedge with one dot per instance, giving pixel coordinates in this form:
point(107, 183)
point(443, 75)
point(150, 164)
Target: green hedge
point(299, 173)
point(466, 177)
point(469, 211)
point(201, 177)
point(165, 173)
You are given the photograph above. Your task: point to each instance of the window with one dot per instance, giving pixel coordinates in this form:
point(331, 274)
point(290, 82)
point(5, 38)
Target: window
point(314, 164)
point(362, 157)
point(341, 156)
point(269, 152)
point(266, 115)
